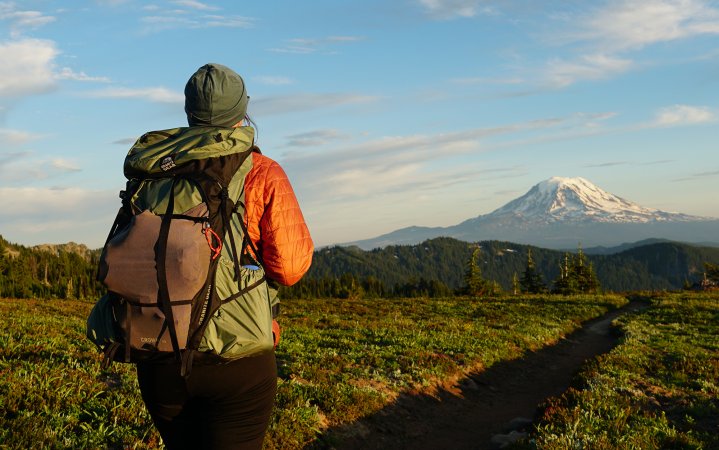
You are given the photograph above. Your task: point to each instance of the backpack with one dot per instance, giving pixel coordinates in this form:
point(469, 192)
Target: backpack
point(183, 278)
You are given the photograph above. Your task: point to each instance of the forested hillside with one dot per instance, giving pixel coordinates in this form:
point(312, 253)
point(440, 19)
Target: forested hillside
point(434, 268)
point(439, 265)
point(48, 271)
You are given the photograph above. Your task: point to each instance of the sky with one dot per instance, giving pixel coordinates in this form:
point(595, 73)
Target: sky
point(384, 114)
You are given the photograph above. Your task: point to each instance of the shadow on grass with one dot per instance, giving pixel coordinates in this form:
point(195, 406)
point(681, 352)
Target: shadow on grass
point(468, 413)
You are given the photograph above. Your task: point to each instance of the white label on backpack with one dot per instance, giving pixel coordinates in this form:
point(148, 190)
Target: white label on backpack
point(167, 163)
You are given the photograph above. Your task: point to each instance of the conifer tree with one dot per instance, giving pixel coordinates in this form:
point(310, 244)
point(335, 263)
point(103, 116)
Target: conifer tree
point(532, 281)
point(475, 284)
point(576, 276)
point(587, 281)
point(561, 283)
point(711, 272)
point(473, 275)
point(350, 288)
point(69, 290)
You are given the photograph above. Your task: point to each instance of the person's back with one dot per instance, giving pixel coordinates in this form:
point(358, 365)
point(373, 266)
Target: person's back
point(227, 403)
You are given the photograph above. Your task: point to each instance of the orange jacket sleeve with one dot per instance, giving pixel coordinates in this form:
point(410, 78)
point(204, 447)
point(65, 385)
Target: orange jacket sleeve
point(275, 223)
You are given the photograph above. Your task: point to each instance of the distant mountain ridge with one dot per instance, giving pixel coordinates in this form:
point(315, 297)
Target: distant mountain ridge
point(561, 213)
point(70, 247)
point(651, 266)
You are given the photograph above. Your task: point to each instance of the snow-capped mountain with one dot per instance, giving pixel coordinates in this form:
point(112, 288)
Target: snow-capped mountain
point(572, 200)
point(561, 213)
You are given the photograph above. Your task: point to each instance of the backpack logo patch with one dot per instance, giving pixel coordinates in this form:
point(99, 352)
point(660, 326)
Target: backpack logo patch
point(167, 163)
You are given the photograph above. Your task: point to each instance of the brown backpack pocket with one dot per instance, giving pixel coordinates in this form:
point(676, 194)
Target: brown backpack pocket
point(144, 326)
point(130, 258)
point(131, 265)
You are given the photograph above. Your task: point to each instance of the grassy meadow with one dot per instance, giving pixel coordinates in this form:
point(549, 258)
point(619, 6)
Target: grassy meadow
point(659, 389)
point(339, 360)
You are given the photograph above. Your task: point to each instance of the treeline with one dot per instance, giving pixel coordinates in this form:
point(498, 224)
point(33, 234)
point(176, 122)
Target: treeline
point(438, 267)
point(576, 276)
point(435, 268)
point(60, 272)
point(351, 286)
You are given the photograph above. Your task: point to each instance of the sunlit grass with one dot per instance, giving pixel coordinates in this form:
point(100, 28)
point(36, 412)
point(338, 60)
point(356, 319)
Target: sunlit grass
point(658, 389)
point(339, 360)
point(52, 391)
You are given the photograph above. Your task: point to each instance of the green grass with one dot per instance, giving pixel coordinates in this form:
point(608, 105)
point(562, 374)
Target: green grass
point(658, 389)
point(52, 391)
point(339, 360)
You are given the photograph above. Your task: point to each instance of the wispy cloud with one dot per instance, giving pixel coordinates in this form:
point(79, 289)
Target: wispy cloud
point(632, 163)
point(608, 164)
point(485, 80)
point(215, 21)
point(370, 168)
point(562, 73)
point(23, 167)
point(26, 67)
point(153, 94)
point(684, 115)
point(273, 80)
point(16, 137)
point(313, 45)
point(661, 161)
point(699, 175)
point(31, 201)
point(632, 24)
point(68, 74)
point(9, 158)
point(21, 20)
point(612, 33)
point(65, 165)
point(305, 102)
point(315, 138)
point(375, 166)
point(453, 9)
point(111, 2)
point(38, 215)
point(157, 23)
point(195, 5)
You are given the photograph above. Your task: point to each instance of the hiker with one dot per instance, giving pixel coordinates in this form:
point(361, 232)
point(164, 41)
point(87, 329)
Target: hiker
point(227, 404)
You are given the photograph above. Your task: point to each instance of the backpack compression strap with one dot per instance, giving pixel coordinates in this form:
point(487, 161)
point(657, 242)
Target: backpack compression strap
point(163, 294)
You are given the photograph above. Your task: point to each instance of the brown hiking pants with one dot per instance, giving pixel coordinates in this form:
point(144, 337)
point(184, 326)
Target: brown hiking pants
point(219, 406)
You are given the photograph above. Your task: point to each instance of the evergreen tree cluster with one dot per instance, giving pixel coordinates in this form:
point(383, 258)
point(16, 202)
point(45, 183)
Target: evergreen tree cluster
point(576, 276)
point(36, 273)
point(711, 278)
point(711, 272)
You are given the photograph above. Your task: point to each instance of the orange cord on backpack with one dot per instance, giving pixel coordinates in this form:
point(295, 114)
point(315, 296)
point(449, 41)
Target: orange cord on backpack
point(276, 332)
point(209, 235)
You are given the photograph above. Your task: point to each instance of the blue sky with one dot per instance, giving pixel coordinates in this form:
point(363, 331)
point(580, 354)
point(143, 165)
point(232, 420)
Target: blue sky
point(384, 114)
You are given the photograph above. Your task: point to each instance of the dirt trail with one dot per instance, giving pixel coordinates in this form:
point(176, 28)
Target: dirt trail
point(482, 405)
